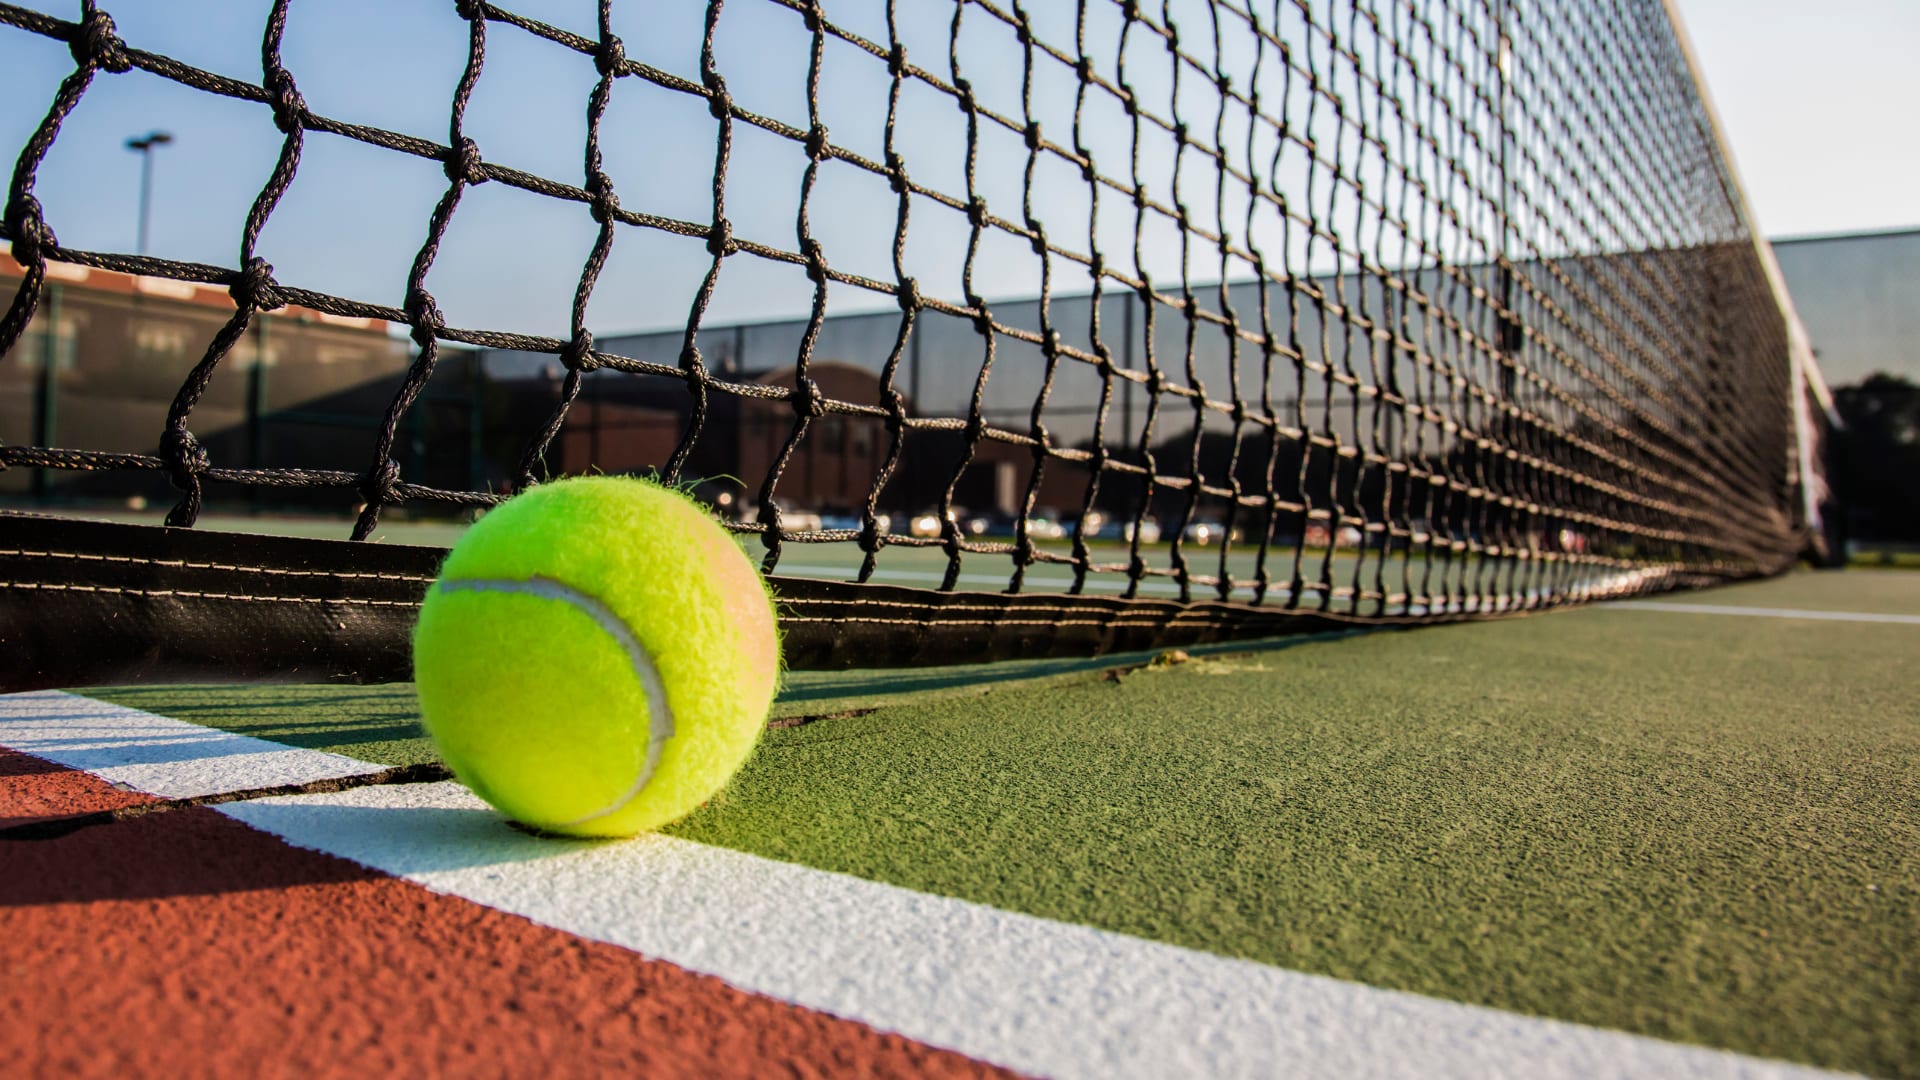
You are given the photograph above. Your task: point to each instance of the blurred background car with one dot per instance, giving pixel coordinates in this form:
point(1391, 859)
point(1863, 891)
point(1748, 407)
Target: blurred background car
point(1121, 530)
point(1207, 532)
point(927, 523)
point(993, 523)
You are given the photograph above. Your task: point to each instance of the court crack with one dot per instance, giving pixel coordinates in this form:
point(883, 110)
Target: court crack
point(55, 828)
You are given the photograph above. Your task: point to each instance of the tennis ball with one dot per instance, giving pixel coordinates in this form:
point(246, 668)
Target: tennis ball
point(597, 657)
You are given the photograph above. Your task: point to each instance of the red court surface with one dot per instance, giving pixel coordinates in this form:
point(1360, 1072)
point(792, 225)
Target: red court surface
point(186, 943)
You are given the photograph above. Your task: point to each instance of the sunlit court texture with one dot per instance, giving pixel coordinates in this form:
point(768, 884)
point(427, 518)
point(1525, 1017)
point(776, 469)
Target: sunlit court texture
point(1160, 538)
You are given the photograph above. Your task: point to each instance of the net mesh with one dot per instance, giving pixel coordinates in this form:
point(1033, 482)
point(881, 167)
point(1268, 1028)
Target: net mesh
point(1380, 306)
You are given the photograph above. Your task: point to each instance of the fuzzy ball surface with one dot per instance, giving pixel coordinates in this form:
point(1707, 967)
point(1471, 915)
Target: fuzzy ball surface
point(597, 657)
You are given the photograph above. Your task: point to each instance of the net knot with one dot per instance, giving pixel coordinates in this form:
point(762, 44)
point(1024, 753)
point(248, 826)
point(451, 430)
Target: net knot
point(1033, 135)
point(719, 102)
point(1038, 240)
point(611, 55)
point(578, 353)
point(377, 485)
point(896, 172)
point(816, 261)
point(897, 60)
point(289, 108)
point(909, 295)
point(31, 234)
point(470, 10)
point(463, 164)
point(720, 238)
point(95, 44)
point(186, 458)
point(255, 288)
point(693, 363)
point(963, 90)
point(818, 148)
point(424, 316)
point(982, 318)
point(807, 399)
point(977, 211)
point(605, 205)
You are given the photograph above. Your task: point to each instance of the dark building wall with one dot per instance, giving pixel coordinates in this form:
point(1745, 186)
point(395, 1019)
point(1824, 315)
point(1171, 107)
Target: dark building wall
point(1399, 369)
point(298, 390)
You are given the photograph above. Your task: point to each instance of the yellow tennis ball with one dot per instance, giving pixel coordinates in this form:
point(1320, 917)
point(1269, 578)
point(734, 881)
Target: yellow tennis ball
point(597, 657)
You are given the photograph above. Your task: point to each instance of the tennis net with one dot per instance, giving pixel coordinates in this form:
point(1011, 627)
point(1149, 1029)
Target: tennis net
point(1387, 309)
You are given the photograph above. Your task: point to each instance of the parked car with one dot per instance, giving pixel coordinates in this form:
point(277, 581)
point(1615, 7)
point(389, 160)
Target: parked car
point(1318, 536)
point(799, 521)
point(1044, 526)
point(1121, 530)
point(1207, 532)
point(927, 523)
point(993, 523)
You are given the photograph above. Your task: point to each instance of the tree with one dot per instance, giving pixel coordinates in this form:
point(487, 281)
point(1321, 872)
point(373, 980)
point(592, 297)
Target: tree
point(1876, 472)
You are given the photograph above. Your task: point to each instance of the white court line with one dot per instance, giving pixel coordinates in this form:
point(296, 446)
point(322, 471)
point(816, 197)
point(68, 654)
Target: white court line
point(156, 754)
point(1763, 612)
point(1028, 993)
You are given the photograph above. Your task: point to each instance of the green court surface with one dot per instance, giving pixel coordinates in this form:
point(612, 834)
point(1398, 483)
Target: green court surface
point(1703, 827)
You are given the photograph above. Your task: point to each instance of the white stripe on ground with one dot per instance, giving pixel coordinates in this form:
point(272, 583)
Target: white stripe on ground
point(1763, 612)
point(155, 754)
point(1028, 993)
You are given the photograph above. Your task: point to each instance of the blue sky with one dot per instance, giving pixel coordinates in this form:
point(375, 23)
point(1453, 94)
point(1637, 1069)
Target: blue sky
point(1809, 98)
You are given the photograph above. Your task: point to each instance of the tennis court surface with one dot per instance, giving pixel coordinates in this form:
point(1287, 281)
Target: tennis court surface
point(1631, 838)
point(1283, 522)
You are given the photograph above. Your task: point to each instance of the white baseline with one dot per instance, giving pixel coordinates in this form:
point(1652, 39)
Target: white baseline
point(1761, 612)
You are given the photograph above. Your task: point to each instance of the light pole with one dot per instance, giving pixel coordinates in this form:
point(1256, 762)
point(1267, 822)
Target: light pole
point(144, 145)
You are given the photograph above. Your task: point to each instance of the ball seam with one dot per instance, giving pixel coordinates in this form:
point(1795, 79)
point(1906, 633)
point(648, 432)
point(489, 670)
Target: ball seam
point(660, 725)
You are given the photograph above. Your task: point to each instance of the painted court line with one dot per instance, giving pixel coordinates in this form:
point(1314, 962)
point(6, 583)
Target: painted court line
point(1763, 612)
point(1002, 987)
point(156, 754)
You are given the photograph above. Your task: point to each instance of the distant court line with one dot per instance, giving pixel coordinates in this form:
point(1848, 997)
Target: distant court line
point(1764, 612)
